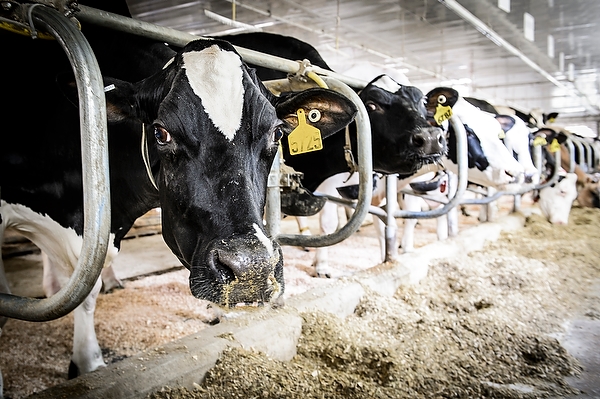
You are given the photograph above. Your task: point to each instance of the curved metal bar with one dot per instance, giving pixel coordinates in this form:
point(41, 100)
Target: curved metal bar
point(571, 148)
point(588, 154)
point(273, 200)
point(596, 147)
point(580, 150)
point(94, 149)
point(519, 190)
point(335, 81)
point(365, 173)
point(178, 38)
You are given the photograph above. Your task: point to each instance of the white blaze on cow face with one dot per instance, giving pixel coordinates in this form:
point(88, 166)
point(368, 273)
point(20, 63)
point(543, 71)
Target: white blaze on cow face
point(387, 83)
point(263, 239)
point(216, 77)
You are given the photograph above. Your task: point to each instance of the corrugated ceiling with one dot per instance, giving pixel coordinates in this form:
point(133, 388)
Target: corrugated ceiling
point(429, 42)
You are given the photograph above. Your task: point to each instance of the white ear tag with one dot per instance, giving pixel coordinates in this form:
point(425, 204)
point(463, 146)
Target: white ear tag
point(304, 138)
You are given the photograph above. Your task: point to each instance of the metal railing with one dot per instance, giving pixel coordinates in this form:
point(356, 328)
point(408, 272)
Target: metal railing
point(96, 190)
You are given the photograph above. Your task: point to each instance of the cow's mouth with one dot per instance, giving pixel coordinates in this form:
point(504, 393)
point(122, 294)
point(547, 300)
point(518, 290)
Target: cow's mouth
point(413, 162)
point(239, 272)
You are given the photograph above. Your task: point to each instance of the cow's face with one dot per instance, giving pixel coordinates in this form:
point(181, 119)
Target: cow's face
point(556, 200)
point(217, 131)
point(402, 139)
point(495, 165)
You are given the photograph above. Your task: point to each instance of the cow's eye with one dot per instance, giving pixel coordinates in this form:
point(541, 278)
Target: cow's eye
point(278, 133)
point(162, 135)
point(371, 106)
point(442, 99)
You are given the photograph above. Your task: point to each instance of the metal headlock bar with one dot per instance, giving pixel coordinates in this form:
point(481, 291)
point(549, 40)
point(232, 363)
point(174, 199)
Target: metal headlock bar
point(179, 38)
point(365, 173)
point(519, 189)
point(334, 80)
point(96, 191)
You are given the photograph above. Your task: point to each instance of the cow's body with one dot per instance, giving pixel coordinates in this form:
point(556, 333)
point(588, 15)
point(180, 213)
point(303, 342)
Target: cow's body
point(588, 185)
point(516, 136)
point(213, 131)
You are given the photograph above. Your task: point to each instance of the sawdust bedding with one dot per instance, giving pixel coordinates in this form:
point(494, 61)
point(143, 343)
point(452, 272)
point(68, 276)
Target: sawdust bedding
point(482, 325)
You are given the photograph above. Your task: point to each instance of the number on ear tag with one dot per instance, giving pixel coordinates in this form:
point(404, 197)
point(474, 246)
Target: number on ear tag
point(554, 146)
point(304, 138)
point(442, 113)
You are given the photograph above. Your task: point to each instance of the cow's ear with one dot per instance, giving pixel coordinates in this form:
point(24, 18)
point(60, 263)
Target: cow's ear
point(506, 121)
point(324, 109)
point(119, 100)
point(118, 93)
point(551, 117)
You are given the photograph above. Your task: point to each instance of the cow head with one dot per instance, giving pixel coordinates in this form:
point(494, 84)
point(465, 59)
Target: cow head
point(556, 200)
point(496, 166)
point(217, 131)
point(401, 136)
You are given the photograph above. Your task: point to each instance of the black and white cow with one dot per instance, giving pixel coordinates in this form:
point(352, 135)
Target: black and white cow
point(493, 165)
point(490, 163)
point(213, 131)
point(517, 137)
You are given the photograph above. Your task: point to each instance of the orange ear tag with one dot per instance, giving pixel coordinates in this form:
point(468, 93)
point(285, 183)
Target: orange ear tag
point(442, 113)
point(304, 138)
point(554, 146)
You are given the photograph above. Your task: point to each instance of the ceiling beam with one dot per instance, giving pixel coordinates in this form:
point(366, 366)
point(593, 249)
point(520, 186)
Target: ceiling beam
point(500, 41)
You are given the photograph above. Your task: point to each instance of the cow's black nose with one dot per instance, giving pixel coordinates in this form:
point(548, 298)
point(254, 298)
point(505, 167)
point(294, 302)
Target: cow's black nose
point(429, 141)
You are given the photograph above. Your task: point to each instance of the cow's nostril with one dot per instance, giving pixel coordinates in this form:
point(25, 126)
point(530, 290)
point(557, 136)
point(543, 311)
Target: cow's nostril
point(418, 140)
point(222, 271)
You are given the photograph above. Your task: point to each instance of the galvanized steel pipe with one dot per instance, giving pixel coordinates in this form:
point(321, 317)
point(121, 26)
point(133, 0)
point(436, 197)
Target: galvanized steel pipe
point(391, 227)
point(572, 163)
point(96, 192)
point(180, 39)
point(335, 81)
point(365, 173)
point(461, 148)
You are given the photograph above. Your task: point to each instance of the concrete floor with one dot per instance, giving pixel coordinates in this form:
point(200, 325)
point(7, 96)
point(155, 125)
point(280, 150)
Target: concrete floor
point(149, 254)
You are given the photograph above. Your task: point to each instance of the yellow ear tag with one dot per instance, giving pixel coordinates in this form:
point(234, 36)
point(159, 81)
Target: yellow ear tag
point(442, 113)
point(501, 134)
point(554, 146)
point(539, 141)
point(304, 138)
